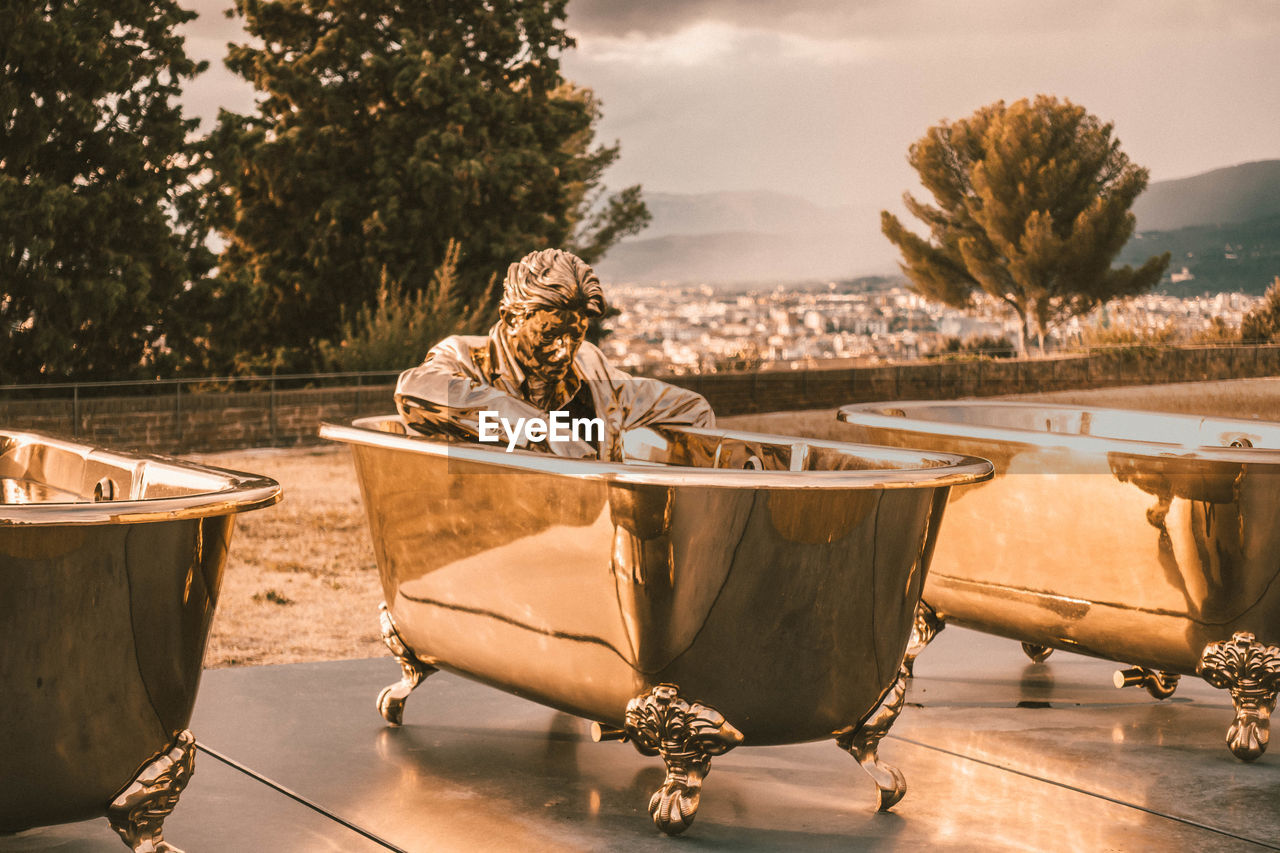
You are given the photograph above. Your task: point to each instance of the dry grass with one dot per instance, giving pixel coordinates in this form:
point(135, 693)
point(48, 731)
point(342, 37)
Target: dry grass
point(301, 583)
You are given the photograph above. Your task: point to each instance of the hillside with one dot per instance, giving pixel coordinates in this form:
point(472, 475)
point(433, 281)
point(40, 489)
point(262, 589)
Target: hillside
point(762, 211)
point(1244, 256)
point(1223, 226)
point(758, 236)
point(1250, 191)
point(737, 256)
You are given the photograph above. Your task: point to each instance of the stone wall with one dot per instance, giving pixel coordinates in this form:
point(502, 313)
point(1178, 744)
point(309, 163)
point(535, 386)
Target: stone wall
point(166, 421)
point(189, 421)
point(777, 391)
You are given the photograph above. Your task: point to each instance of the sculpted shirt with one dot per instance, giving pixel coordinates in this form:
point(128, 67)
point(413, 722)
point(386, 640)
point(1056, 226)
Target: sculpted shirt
point(464, 375)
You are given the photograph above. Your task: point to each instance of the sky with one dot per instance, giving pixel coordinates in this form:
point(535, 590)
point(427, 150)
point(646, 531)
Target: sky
point(821, 99)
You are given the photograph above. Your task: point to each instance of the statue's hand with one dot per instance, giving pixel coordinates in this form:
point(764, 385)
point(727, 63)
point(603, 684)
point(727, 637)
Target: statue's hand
point(572, 449)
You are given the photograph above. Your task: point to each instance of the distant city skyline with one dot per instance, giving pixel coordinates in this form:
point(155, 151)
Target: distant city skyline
point(822, 102)
point(698, 329)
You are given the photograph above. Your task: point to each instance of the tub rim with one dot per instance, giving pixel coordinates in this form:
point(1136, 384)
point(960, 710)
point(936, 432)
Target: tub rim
point(950, 469)
point(242, 492)
point(867, 414)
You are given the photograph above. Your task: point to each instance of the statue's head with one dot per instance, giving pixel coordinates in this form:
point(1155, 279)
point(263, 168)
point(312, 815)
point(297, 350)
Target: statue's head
point(548, 297)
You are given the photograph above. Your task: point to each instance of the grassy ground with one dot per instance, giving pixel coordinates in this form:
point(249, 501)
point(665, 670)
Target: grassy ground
point(301, 583)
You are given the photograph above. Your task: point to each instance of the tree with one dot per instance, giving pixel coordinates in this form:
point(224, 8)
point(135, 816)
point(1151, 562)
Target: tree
point(1031, 206)
point(386, 130)
point(95, 173)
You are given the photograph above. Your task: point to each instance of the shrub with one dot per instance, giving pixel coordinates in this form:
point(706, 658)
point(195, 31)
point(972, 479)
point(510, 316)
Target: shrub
point(1262, 324)
point(399, 327)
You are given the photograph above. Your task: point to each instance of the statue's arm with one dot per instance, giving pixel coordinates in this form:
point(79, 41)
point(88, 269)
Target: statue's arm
point(446, 394)
point(643, 401)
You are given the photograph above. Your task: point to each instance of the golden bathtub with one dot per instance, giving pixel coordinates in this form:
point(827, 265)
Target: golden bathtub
point(711, 589)
point(1147, 538)
point(109, 570)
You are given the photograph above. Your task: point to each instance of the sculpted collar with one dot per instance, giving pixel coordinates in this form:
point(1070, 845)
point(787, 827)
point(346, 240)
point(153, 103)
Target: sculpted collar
point(503, 369)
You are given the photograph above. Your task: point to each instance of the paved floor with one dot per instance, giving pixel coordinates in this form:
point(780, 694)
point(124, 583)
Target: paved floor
point(999, 754)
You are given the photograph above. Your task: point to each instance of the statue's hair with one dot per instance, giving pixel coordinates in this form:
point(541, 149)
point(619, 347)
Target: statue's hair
point(551, 278)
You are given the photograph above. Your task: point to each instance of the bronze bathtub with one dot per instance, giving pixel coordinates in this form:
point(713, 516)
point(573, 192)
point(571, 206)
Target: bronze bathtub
point(1146, 538)
point(714, 588)
point(109, 570)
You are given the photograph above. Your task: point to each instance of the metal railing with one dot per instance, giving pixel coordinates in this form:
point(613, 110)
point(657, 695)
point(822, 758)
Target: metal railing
point(77, 389)
point(181, 415)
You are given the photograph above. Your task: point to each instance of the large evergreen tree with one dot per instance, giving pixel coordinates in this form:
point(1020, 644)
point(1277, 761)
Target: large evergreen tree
point(1031, 206)
point(385, 130)
point(94, 168)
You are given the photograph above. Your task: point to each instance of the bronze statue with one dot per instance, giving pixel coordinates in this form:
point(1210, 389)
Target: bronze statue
point(535, 361)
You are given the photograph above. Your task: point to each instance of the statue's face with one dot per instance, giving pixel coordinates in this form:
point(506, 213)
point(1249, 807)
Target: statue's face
point(547, 339)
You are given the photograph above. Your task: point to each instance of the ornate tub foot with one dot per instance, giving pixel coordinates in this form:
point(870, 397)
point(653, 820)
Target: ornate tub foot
point(1251, 671)
point(927, 625)
point(687, 736)
point(392, 698)
point(1158, 683)
point(137, 814)
point(863, 741)
point(1038, 654)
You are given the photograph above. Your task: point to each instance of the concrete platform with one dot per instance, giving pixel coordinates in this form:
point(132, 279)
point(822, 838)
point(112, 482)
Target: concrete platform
point(999, 754)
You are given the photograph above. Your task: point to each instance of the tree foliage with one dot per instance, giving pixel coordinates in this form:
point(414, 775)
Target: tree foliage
point(94, 181)
point(384, 131)
point(1031, 205)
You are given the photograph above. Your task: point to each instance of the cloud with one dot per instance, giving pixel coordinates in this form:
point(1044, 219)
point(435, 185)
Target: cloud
point(206, 39)
point(909, 19)
point(660, 17)
point(714, 43)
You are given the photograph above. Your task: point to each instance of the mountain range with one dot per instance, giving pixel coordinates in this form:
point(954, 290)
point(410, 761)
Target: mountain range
point(1223, 226)
point(749, 236)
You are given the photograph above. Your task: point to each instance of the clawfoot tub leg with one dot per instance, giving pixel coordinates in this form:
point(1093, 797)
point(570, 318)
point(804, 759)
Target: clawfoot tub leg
point(927, 625)
point(1158, 683)
point(392, 698)
point(137, 814)
point(1251, 671)
point(863, 741)
point(1037, 653)
point(687, 736)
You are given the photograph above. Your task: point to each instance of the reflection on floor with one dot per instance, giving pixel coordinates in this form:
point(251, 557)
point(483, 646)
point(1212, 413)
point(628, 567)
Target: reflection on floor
point(999, 754)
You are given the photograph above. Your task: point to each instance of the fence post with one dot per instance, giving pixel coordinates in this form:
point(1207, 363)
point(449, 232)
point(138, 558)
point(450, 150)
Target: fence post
point(177, 409)
point(75, 411)
point(271, 411)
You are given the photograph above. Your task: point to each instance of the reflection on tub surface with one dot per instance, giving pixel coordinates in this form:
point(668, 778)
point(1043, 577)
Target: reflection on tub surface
point(109, 570)
point(1137, 536)
point(770, 580)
